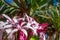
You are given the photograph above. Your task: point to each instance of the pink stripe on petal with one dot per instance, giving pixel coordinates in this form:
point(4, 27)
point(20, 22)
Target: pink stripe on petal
point(43, 25)
point(21, 35)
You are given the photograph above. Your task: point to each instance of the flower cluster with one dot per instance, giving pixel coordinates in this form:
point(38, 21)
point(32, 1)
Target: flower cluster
point(22, 26)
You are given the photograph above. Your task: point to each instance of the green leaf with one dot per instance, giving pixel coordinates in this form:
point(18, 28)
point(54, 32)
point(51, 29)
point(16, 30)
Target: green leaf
point(8, 9)
point(34, 38)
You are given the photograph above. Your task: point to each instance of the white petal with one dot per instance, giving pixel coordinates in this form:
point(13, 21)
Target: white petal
point(26, 15)
point(7, 26)
point(28, 26)
point(7, 17)
point(25, 32)
point(8, 30)
point(35, 27)
point(18, 26)
point(35, 33)
point(2, 23)
point(15, 20)
point(40, 27)
point(44, 38)
point(23, 23)
point(11, 33)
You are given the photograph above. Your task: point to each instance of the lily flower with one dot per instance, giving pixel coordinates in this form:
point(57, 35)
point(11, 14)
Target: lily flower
point(22, 25)
point(36, 27)
point(14, 23)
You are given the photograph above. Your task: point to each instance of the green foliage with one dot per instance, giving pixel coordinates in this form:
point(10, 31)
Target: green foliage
point(6, 9)
point(51, 14)
point(36, 4)
point(43, 11)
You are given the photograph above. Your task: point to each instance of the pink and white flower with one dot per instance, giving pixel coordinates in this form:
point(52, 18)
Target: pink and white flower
point(21, 25)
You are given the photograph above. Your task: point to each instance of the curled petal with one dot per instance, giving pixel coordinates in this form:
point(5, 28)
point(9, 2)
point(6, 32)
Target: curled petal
point(7, 17)
point(2, 23)
point(8, 31)
point(23, 23)
point(32, 28)
point(24, 31)
point(7, 26)
point(28, 26)
point(15, 20)
point(42, 36)
point(13, 31)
